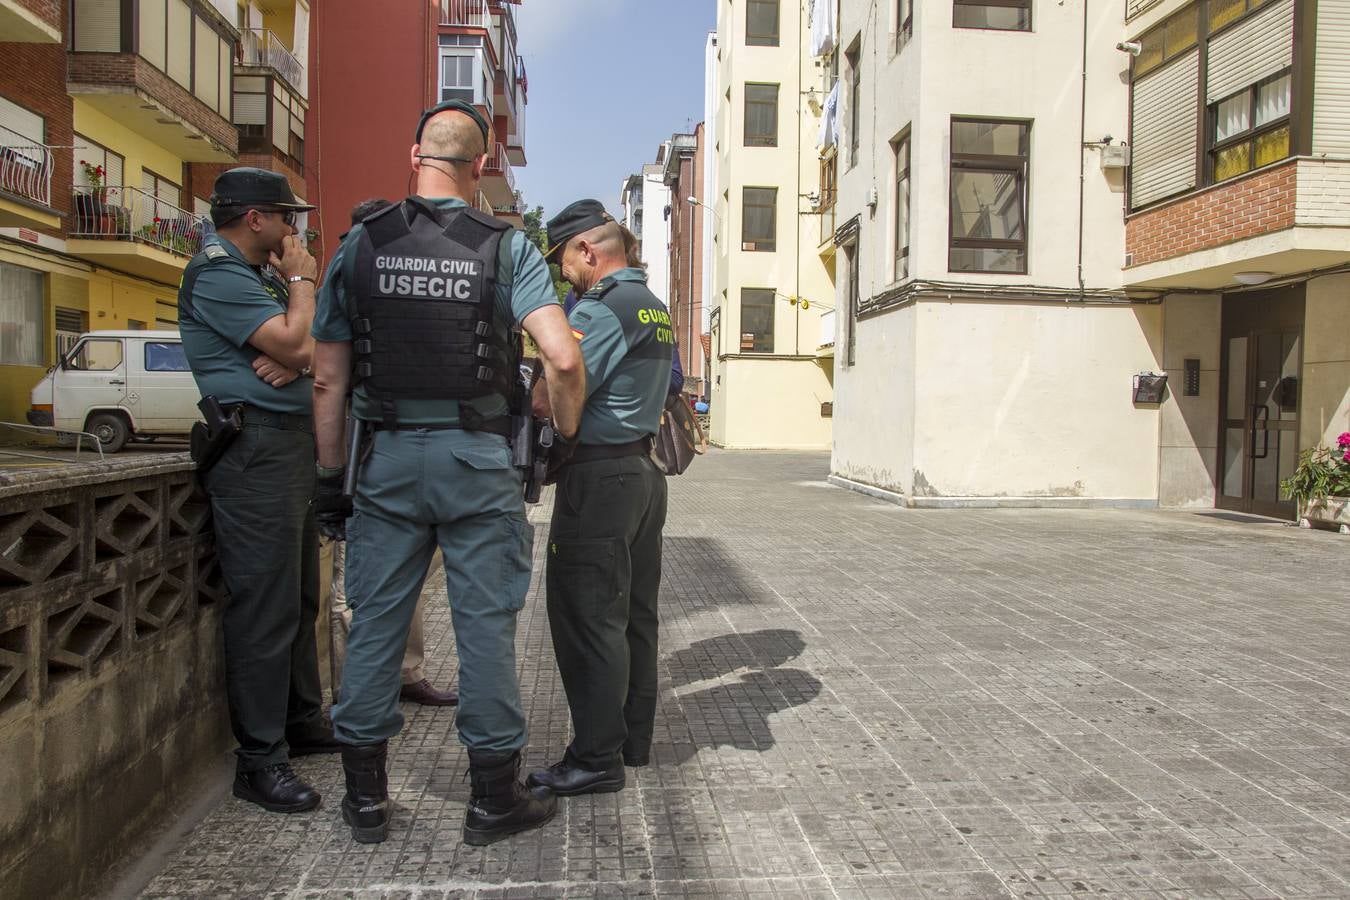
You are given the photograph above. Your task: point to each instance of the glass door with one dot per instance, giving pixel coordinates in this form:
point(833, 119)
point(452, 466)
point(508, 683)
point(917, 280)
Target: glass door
point(1261, 362)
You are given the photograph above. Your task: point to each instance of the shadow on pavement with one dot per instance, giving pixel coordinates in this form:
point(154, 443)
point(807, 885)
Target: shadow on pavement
point(698, 575)
point(736, 714)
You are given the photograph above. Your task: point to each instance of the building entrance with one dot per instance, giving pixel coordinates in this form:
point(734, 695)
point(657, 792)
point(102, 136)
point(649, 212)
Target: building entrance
point(1260, 372)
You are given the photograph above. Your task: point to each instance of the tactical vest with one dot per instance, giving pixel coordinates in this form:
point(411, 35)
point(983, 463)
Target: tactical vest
point(424, 284)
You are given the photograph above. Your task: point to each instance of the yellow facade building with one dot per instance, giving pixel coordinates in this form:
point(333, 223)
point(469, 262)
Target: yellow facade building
point(771, 382)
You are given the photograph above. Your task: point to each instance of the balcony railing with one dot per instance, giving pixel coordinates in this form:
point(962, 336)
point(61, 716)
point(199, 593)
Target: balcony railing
point(131, 214)
point(260, 47)
point(25, 167)
point(471, 13)
point(499, 164)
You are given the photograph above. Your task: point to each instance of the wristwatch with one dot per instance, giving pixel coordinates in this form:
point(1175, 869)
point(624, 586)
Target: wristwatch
point(294, 278)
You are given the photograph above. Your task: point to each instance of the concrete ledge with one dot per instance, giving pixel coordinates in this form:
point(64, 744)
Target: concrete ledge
point(992, 502)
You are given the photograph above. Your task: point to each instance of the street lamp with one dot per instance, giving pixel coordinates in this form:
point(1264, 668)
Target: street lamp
point(694, 201)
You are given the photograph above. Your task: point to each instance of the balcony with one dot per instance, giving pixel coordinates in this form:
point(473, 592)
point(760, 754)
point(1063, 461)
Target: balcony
point(466, 14)
point(261, 48)
point(174, 90)
point(30, 21)
point(128, 229)
point(499, 181)
point(1285, 219)
point(25, 183)
point(513, 212)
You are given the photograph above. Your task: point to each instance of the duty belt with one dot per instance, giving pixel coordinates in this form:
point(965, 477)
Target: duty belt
point(592, 452)
point(256, 415)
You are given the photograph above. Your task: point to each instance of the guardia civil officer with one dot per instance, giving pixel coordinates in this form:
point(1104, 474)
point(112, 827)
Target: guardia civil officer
point(604, 554)
point(245, 307)
point(417, 314)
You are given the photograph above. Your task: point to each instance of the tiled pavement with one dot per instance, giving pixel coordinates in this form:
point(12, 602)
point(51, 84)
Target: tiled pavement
point(865, 701)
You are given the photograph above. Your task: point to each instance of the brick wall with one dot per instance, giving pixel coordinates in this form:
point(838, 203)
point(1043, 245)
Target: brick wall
point(34, 77)
point(131, 71)
point(48, 11)
point(1246, 207)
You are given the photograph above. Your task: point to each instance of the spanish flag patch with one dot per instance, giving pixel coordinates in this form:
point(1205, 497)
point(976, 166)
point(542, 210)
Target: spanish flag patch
point(578, 334)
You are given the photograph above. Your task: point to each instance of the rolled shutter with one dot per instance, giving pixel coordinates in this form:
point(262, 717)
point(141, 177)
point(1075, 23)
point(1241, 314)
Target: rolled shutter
point(98, 26)
point(1261, 45)
point(1165, 125)
point(29, 126)
point(1331, 113)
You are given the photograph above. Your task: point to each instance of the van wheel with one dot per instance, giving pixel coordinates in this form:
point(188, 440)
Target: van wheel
point(110, 429)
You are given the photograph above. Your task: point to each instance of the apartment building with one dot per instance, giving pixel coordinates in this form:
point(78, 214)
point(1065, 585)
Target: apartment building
point(684, 179)
point(985, 351)
point(375, 82)
point(1239, 216)
point(769, 387)
point(114, 120)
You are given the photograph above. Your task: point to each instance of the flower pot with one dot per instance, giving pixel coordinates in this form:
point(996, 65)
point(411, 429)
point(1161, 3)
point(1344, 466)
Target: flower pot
point(1326, 512)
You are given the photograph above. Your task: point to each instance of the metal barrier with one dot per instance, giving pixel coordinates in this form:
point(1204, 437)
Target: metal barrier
point(57, 433)
point(260, 47)
point(472, 13)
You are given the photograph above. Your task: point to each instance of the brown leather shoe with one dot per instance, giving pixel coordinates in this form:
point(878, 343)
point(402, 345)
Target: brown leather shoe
point(425, 693)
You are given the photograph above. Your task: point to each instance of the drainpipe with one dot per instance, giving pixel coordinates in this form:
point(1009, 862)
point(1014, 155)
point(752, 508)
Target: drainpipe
point(1082, 150)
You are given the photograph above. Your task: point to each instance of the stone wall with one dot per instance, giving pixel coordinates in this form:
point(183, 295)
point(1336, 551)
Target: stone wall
point(111, 675)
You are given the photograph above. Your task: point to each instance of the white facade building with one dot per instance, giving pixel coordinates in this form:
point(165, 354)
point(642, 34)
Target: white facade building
point(656, 226)
point(985, 350)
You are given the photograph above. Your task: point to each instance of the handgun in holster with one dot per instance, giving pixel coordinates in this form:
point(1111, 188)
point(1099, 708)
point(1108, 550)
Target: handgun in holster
point(208, 441)
point(358, 449)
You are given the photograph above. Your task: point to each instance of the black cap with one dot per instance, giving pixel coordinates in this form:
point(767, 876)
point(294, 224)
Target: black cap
point(575, 219)
point(251, 187)
point(458, 106)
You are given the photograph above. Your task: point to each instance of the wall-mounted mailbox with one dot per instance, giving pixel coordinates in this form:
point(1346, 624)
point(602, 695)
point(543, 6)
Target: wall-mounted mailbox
point(1149, 388)
point(1191, 388)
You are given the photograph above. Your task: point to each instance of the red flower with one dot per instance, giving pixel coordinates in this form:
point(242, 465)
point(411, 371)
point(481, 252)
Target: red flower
point(1344, 439)
point(156, 218)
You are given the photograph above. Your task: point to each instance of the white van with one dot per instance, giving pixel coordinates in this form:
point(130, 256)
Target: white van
point(119, 386)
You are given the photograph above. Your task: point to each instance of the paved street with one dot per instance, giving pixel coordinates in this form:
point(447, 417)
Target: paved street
point(865, 701)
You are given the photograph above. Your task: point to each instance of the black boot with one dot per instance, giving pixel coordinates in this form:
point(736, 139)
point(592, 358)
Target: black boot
point(366, 806)
point(500, 805)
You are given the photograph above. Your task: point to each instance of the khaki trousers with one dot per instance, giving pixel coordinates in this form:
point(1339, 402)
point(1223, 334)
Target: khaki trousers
point(412, 670)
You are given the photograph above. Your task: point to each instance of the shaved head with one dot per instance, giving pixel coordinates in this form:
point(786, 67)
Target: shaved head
point(607, 239)
point(453, 134)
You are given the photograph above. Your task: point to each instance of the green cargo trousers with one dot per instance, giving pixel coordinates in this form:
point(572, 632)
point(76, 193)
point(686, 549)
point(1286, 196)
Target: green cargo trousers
point(604, 573)
point(269, 556)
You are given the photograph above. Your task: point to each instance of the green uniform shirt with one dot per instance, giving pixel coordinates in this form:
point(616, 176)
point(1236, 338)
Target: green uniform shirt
point(626, 343)
point(530, 288)
point(230, 300)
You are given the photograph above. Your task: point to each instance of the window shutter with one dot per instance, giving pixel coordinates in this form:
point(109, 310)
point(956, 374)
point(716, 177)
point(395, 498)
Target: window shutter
point(98, 26)
point(180, 42)
point(1331, 113)
point(1261, 45)
point(25, 124)
point(1165, 130)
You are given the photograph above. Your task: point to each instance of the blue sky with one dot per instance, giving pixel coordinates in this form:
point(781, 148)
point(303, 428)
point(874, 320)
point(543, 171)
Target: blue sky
point(609, 81)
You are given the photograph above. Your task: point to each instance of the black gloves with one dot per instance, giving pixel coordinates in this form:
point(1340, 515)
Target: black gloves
point(332, 508)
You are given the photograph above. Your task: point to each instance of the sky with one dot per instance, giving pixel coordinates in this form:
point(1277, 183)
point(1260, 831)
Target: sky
point(609, 81)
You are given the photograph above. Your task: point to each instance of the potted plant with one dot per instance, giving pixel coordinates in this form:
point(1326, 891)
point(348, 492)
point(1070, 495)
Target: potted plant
point(1321, 486)
point(90, 200)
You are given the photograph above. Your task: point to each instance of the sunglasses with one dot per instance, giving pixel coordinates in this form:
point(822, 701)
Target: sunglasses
point(287, 215)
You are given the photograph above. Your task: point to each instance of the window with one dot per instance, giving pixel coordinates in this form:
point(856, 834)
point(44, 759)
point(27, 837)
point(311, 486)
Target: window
point(1000, 15)
point(1250, 129)
point(22, 316)
point(757, 320)
point(851, 312)
point(854, 103)
point(759, 218)
point(70, 324)
point(761, 23)
point(96, 355)
point(457, 81)
point(166, 195)
point(988, 196)
point(165, 357)
point(1222, 12)
point(761, 115)
point(1164, 43)
point(902, 208)
point(90, 156)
